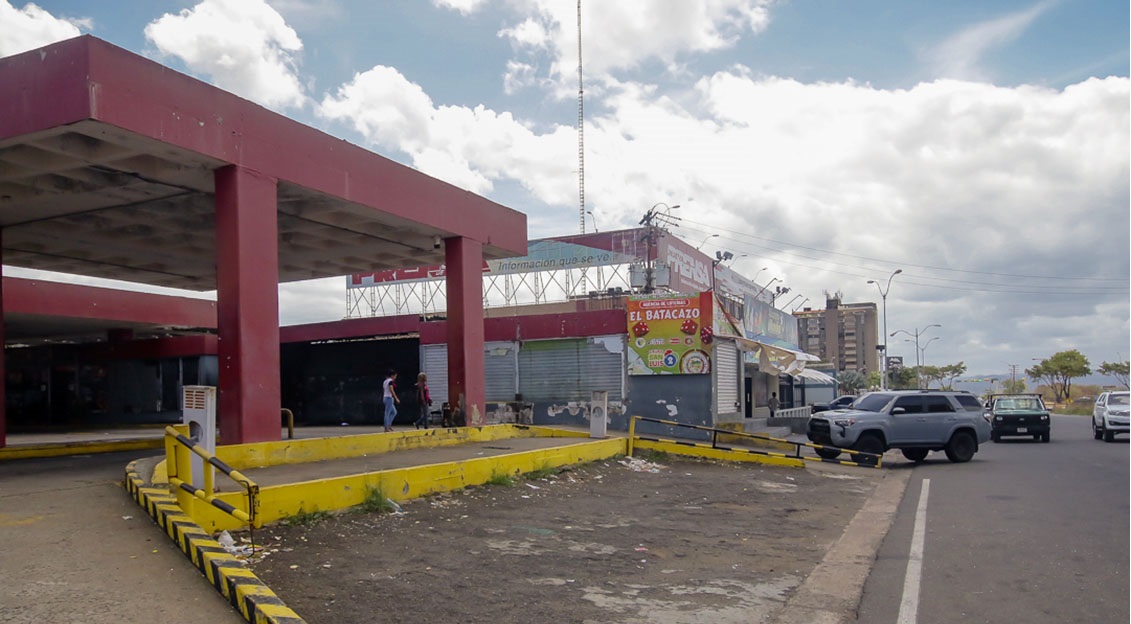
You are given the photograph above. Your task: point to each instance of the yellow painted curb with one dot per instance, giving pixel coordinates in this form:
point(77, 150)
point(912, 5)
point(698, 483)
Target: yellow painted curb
point(399, 484)
point(697, 450)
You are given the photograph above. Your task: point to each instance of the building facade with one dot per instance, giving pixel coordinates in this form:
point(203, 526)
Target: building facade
point(844, 335)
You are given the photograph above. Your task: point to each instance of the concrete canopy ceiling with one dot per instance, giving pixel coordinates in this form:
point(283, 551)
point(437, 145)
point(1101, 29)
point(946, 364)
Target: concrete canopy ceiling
point(107, 164)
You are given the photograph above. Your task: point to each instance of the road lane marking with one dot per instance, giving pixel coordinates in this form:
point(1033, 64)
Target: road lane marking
point(909, 605)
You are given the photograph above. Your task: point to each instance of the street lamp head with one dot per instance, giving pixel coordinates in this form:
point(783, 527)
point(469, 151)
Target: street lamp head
point(898, 271)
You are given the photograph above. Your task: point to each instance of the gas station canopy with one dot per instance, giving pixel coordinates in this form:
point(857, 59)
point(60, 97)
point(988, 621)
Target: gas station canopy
point(107, 169)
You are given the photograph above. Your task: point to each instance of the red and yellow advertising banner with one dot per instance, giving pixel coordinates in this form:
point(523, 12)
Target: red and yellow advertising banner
point(670, 334)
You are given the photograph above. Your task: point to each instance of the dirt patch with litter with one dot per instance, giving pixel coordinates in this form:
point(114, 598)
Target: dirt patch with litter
point(621, 540)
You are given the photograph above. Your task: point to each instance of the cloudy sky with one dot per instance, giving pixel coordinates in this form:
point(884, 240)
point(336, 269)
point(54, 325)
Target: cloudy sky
point(981, 147)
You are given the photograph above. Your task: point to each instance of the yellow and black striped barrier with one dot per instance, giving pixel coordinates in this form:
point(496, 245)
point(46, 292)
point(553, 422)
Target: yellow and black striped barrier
point(176, 459)
point(254, 600)
point(867, 460)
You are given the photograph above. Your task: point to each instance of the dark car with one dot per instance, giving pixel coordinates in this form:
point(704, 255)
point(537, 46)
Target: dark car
point(841, 402)
point(1018, 415)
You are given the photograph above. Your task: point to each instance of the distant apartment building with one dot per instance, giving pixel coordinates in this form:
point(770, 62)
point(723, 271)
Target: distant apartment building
point(843, 335)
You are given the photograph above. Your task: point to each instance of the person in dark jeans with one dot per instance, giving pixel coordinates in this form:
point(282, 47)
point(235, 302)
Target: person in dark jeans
point(774, 404)
point(423, 400)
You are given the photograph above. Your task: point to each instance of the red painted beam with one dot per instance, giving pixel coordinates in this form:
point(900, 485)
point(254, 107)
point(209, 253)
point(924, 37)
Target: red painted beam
point(38, 297)
point(537, 327)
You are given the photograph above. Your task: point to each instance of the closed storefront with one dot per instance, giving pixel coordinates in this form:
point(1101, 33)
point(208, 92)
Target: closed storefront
point(500, 361)
point(561, 371)
point(727, 381)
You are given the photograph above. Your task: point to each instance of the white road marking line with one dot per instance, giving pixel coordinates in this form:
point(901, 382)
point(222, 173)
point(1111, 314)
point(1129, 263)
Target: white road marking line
point(909, 605)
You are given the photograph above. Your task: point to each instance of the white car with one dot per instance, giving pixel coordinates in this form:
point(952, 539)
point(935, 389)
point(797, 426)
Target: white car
point(1111, 416)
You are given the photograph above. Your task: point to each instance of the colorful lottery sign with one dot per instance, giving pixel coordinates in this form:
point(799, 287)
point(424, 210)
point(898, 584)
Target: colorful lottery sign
point(670, 335)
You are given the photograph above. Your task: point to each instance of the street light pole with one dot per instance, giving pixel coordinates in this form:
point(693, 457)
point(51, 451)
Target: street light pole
point(918, 332)
point(765, 287)
point(923, 349)
point(884, 296)
point(705, 239)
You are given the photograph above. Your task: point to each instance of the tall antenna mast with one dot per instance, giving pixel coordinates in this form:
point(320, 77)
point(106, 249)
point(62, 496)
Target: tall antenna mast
point(580, 129)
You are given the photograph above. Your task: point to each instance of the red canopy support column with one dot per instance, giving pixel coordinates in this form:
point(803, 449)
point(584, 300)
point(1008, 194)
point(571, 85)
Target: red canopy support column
point(466, 377)
point(3, 373)
point(247, 306)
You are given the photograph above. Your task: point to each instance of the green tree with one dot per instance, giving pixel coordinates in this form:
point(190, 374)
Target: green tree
point(950, 372)
point(851, 381)
point(1119, 370)
point(1014, 386)
point(1059, 371)
point(929, 376)
point(902, 378)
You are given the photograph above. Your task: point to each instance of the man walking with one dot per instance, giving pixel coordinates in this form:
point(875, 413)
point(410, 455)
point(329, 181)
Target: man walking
point(389, 395)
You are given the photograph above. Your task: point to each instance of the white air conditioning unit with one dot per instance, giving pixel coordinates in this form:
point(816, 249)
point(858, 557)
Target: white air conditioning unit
point(198, 411)
point(599, 414)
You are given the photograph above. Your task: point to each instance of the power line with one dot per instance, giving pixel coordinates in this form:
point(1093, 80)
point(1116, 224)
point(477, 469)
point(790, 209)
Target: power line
point(958, 284)
point(906, 264)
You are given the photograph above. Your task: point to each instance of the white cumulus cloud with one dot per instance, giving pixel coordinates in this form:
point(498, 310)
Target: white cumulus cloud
point(31, 27)
point(245, 46)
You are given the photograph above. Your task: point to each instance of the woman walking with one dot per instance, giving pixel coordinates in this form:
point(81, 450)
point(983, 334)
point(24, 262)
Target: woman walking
point(389, 394)
point(423, 400)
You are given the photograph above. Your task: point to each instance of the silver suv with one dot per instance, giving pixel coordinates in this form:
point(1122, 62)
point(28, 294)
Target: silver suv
point(914, 421)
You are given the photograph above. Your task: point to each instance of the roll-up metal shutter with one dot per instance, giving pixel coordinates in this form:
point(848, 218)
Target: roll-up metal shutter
point(434, 361)
point(571, 369)
point(500, 365)
point(726, 377)
point(500, 360)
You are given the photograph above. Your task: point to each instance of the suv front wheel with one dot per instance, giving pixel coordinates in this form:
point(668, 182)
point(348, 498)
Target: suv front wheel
point(961, 447)
point(868, 443)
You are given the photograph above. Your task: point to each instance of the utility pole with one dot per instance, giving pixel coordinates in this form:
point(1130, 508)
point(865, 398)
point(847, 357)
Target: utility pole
point(650, 239)
point(1012, 374)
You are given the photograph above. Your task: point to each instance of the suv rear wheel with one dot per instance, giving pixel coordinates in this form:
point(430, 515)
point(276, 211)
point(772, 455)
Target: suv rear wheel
point(961, 447)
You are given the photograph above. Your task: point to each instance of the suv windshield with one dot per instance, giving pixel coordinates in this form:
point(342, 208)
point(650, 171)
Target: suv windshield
point(1117, 399)
point(873, 401)
point(1026, 404)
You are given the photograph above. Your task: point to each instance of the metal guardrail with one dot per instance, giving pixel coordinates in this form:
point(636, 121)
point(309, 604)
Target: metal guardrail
point(178, 446)
point(869, 460)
